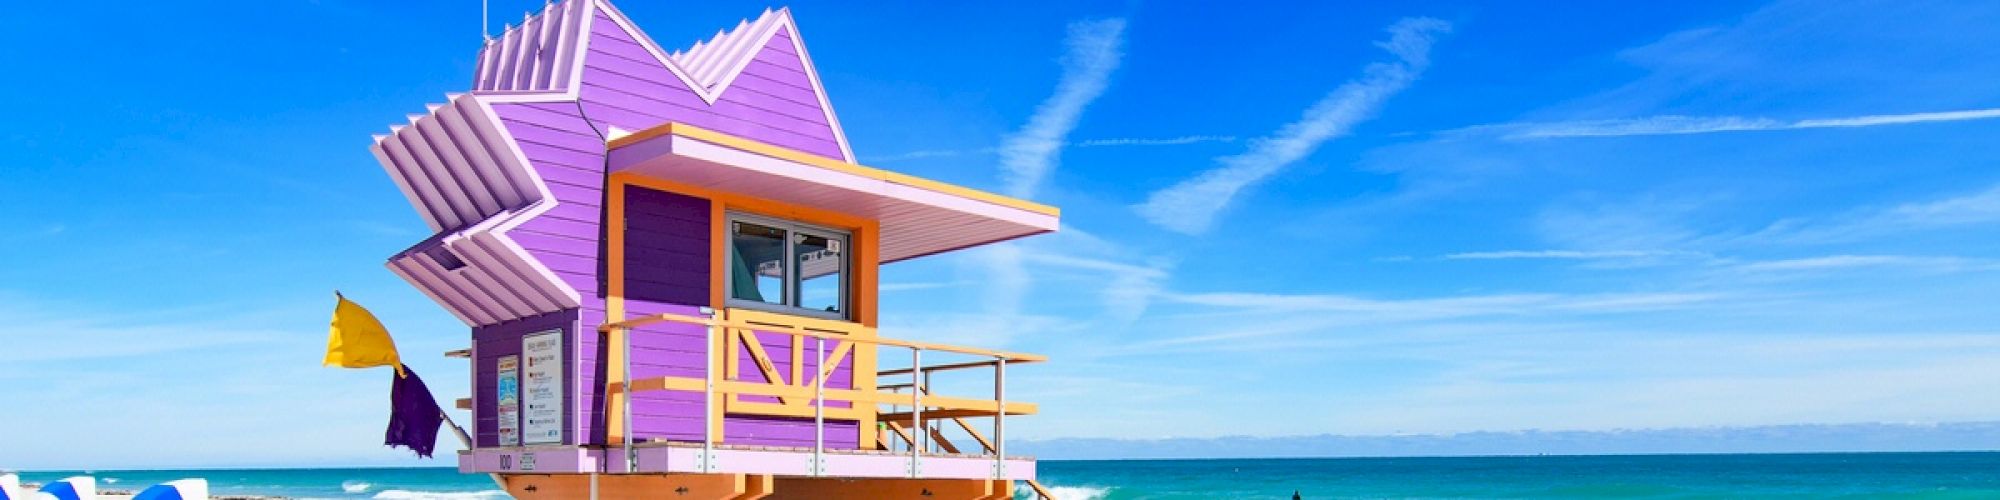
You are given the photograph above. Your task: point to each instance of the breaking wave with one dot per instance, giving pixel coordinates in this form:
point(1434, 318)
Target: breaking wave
point(355, 486)
point(438, 495)
point(1079, 492)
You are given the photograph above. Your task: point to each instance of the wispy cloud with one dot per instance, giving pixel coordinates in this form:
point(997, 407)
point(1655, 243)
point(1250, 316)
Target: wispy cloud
point(1063, 283)
point(919, 285)
point(1288, 314)
point(1469, 305)
point(1981, 207)
point(1169, 141)
point(1862, 261)
point(1191, 206)
point(1128, 288)
point(1094, 49)
point(1686, 125)
point(1086, 143)
point(196, 368)
point(1566, 254)
point(926, 153)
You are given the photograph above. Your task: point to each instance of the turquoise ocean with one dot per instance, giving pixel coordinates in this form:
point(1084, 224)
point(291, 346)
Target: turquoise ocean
point(1829, 475)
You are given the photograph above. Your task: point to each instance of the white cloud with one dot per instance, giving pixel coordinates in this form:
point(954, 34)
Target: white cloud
point(1191, 206)
point(1086, 267)
point(1684, 125)
point(1086, 143)
point(1290, 314)
point(1027, 156)
point(1094, 49)
point(1981, 207)
point(919, 285)
point(1566, 254)
point(1860, 261)
point(1454, 306)
point(1963, 210)
point(928, 153)
point(1169, 141)
point(207, 380)
point(1128, 289)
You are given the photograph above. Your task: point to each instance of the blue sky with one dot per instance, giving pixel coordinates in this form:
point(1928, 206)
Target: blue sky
point(1364, 219)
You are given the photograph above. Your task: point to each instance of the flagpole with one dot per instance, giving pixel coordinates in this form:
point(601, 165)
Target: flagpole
point(466, 440)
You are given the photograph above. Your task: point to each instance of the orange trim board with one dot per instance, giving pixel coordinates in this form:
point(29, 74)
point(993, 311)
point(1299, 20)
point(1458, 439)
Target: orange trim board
point(784, 153)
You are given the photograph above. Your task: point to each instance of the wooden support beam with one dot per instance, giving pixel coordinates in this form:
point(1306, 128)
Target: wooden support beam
point(937, 436)
point(903, 431)
point(758, 486)
point(937, 368)
point(1041, 491)
point(976, 436)
point(904, 417)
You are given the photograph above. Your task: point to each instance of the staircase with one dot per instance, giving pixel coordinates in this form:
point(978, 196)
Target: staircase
point(882, 440)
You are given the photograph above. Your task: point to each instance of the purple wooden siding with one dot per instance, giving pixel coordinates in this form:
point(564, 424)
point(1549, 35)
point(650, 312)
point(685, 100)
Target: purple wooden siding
point(667, 258)
point(504, 339)
point(666, 247)
point(666, 271)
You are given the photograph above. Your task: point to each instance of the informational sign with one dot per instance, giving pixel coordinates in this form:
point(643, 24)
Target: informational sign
point(541, 394)
point(507, 391)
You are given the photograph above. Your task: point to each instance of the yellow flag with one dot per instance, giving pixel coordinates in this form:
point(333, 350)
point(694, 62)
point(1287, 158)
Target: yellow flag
point(358, 340)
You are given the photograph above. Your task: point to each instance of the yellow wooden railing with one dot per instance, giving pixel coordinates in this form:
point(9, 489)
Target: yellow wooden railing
point(799, 394)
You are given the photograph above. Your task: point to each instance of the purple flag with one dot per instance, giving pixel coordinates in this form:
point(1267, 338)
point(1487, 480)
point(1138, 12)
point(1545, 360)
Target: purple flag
point(414, 416)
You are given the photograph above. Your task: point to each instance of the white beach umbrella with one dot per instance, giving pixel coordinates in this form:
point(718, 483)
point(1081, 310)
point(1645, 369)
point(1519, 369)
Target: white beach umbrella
point(10, 486)
point(185, 489)
point(75, 488)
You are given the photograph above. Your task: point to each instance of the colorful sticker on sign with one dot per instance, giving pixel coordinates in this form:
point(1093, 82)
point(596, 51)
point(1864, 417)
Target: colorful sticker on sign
point(541, 392)
point(507, 391)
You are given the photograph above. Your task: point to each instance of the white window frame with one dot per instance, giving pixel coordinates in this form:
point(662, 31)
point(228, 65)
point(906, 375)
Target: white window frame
point(788, 289)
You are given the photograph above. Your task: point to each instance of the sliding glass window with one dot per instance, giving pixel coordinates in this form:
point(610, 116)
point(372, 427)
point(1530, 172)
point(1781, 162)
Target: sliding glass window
point(785, 266)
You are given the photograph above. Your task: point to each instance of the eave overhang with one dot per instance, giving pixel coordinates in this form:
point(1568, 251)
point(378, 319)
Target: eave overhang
point(918, 216)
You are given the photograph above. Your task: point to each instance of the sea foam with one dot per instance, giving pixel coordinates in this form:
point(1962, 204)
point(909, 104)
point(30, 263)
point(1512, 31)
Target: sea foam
point(355, 486)
point(1079, 492)
point(439, 495)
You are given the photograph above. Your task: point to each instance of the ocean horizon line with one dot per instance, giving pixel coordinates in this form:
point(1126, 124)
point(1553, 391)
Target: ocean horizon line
point(1180, 459)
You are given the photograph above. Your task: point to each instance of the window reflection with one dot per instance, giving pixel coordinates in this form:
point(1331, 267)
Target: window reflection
point(820, 270)
point(757, 263)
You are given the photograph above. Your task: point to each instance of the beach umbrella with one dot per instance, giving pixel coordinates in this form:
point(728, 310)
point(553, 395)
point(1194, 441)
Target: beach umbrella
point(10, 487)
point(75, 488)
point(185, 489)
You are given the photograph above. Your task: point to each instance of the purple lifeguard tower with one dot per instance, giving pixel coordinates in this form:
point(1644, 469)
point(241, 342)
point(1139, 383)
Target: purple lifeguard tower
point(668, 261)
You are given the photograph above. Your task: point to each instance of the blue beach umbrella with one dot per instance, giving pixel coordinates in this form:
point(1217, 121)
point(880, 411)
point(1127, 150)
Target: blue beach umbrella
point(185, 489)
point(75, 488)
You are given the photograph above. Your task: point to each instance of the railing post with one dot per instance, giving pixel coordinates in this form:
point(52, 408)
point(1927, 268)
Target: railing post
point(625, 394)
point(1000, 417)
point(819, 406)
point(916, 410)
point(708, 436)
point(922, 428)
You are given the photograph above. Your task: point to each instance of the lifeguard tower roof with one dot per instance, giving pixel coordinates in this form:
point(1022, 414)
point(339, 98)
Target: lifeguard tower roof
point(742, 112)
point(658, 250)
